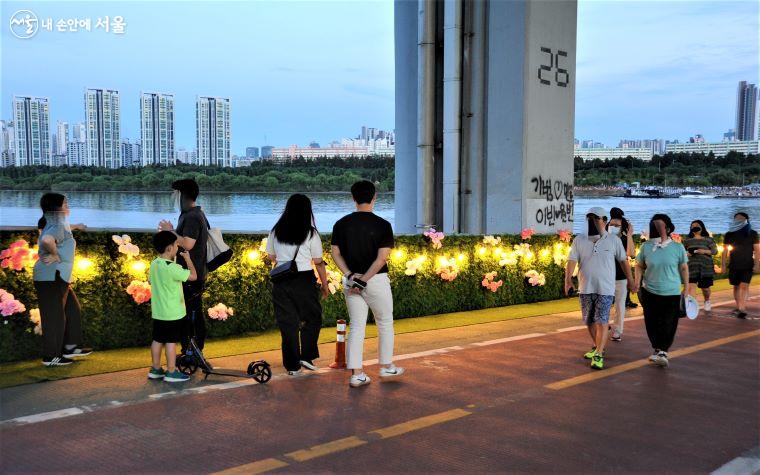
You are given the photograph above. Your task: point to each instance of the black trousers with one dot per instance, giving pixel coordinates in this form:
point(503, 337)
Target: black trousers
point(60, 316)
point(196, 318)
point(299, 315)
point(661, 315)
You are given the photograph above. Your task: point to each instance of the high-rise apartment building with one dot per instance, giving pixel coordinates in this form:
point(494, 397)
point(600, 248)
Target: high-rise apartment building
point(157, 128)
point(746, 110)
point(103, 116)
point(31, 119)
point(212, 119)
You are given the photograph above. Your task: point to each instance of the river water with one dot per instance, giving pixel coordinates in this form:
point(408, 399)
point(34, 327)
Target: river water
point(259, 211)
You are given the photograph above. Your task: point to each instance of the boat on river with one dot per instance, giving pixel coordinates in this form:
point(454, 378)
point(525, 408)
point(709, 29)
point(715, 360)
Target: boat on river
point(695, 194)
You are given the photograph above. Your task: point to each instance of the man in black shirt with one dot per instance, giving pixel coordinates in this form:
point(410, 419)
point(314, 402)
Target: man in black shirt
point(361, 244)
point(742, 248)
point(192, 234)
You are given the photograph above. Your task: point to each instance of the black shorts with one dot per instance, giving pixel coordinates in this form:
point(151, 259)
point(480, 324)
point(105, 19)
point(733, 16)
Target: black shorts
point(169, 331)
point(736, 277)
point(702, 281)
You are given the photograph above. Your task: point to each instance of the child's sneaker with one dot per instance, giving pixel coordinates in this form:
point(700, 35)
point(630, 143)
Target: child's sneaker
point(391, 372)
point(156, 373)
point(176, 376)
point(359, 380)
point(597, 362)
point(708, 306)
point(590, 354)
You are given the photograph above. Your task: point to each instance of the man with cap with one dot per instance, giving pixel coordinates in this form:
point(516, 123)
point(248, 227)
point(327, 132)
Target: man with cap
point(595, 253)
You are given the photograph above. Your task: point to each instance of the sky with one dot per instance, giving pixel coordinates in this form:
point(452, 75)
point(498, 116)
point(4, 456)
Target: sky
point(317, 70)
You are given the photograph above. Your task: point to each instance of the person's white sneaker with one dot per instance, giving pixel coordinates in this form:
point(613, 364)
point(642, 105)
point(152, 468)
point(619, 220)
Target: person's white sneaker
point(295, 373)
point(662, 359)
point(655, 357)
point(392, 372)
point(359, 380)
point(708, 306)
point(309, 365)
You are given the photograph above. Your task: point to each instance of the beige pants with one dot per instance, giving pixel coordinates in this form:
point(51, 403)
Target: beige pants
point(377, 297)
point(621, 290)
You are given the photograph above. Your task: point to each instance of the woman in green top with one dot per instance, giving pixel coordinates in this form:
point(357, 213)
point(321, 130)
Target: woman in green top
point(60, 313)
point(701, 248)
point(661, 268)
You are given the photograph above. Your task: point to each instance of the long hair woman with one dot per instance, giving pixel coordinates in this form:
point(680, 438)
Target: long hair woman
point(661, 271)
point(701, 248)
point(297, 308)
point(60, 313)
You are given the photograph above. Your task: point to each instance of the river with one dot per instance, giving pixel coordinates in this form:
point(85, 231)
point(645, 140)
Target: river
point(259, 211)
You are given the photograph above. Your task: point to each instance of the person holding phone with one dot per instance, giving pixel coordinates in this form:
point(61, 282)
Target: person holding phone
point(701, 248)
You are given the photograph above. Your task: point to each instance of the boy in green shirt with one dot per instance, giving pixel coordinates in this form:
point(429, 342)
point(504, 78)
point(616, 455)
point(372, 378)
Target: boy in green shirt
point(167, 305)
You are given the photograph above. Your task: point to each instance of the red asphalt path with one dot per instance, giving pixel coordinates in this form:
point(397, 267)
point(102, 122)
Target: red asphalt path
point(692, 417)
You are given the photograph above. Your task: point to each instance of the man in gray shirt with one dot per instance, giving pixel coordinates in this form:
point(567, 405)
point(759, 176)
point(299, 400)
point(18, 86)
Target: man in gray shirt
point(595, 253)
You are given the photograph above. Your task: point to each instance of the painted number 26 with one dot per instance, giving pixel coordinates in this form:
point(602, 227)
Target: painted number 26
point(561, 76)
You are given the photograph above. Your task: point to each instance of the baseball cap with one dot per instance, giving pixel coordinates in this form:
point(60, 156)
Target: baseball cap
point(598, 211)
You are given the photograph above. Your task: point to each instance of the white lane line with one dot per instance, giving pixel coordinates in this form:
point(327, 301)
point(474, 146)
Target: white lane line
point(508, 339)
point(72, 411)
point(746, 463)
point(47, 416)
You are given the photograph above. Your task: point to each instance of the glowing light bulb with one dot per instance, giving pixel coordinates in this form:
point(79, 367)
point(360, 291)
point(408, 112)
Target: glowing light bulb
point(84, 264)
point(398, 254)
point(253, 255)
point(481, 250)
point(138, 267)
point(460, 257)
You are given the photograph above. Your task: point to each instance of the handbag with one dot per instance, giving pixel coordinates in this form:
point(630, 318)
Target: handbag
point(285, 271)
point(218, 252)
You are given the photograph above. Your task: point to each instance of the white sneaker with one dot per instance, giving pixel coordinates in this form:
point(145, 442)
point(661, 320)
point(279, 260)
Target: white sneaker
point(392, 372)
point(708, 306)
point(655, 357)
point(359, 380)
point(308, 365)
point(295, 373)
point(662, 359)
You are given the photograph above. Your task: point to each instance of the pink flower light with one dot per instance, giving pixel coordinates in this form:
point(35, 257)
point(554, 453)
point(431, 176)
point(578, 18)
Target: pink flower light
point(435, 237)
point(139, 290)
point(527, 233)
point(9, 305)
point(220, 312)
point(18, 256)
point(565, 235)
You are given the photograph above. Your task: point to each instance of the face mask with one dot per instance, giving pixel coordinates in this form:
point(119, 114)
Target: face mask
point(592, 229)
point(696, 230)
point(614, 230)
point(177, 200)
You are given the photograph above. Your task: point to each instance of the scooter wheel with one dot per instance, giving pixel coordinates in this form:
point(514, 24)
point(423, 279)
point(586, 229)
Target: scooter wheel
point(187, 364)
point(260, 371)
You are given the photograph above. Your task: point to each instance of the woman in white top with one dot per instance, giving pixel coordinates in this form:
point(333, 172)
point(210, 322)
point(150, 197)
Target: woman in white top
point(296, 299)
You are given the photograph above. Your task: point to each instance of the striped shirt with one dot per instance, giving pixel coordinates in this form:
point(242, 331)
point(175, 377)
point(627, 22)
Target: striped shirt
point(700, 265)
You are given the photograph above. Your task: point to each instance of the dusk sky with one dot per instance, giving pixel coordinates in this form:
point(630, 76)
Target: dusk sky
point(314, 70)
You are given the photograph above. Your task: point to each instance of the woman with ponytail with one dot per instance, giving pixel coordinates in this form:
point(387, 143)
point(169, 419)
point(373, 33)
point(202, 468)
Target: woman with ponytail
point(60, 313)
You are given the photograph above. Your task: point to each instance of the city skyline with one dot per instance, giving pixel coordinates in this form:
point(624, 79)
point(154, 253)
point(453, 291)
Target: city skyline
point(648, 76)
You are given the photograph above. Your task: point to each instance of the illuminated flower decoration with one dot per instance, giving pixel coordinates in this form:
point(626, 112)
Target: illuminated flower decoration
point(508, 259)
point(139, 290)
point(523, 249)
point(34, 317)
point(565, 235)
point(527, 233)
point(435, 237)
point(18, 256)
point(675, 237)
point(561, 253)
point(535, 278)
point(414, 265)
point(447, 269)
point(334, 280)
point(125, 245)
point(263, 245)
point(489, 282)
point(9, 305)
point(491, 241)
point(220, 312)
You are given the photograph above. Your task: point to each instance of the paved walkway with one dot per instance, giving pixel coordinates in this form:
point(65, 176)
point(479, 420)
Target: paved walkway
point(499, 397)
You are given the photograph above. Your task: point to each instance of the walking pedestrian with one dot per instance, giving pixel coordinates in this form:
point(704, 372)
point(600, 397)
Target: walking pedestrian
point(621, 227)
point(701, 248)
point(741, 249)
point(662, 274)
point(294, 240)
point(60, 313)
point(595, 253)
point(361, 244)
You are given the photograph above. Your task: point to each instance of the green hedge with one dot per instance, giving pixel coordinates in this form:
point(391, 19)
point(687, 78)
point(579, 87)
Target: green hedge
point(113, 320)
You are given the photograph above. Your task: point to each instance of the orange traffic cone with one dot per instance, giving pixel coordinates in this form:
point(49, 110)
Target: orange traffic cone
point(340, 347)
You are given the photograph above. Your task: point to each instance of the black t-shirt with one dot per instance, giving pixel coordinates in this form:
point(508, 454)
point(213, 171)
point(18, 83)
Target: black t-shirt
point(192, 224)
point(741, 255)
point(359, 236)
point(619, 274)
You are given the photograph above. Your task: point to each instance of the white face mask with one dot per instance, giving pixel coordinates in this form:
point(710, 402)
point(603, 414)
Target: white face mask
point(177, 200)
point(614, 230)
